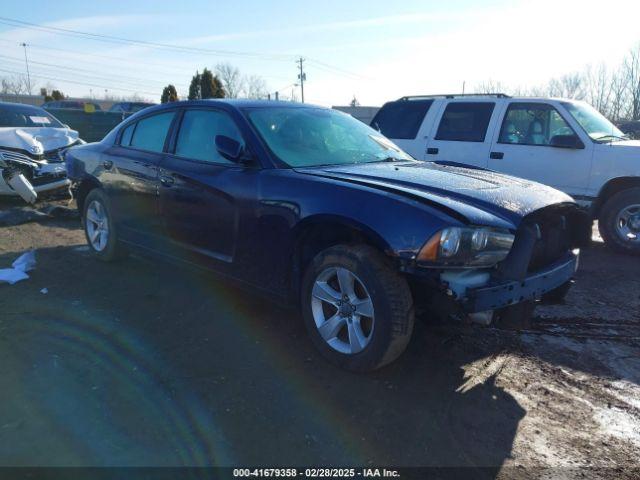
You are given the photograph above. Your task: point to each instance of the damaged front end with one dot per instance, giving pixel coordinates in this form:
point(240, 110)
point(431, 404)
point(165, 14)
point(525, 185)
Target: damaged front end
point(26, 175)
point(543, 258)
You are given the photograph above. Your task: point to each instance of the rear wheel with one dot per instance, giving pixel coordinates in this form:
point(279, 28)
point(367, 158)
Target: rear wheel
point(619, 221)
point(357, 308)
point(99, 227)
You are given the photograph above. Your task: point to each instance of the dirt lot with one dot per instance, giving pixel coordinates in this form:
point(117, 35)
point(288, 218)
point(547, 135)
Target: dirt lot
point(138, 363)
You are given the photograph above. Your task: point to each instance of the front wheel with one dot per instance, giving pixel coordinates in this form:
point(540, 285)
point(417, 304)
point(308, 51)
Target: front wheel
point(357, 308)
point(619, 221)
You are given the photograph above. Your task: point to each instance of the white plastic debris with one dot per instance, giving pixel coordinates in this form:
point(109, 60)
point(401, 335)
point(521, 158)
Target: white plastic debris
point(23, 187)
point(23, 264)
point(44, 291)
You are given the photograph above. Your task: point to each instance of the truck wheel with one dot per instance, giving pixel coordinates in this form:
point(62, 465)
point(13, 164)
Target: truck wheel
point(99, 227)
point(357, 308)
point(619, 221)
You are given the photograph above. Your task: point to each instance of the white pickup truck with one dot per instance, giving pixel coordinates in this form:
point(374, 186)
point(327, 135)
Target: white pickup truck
point(562, 143)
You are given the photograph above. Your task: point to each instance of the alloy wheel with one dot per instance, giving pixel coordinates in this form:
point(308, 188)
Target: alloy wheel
point(342, 310)
point(97, 225)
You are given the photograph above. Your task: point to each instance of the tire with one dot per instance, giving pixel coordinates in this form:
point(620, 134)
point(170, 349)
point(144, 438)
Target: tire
point(610, 229)
point(106, 247)
point(384, 334)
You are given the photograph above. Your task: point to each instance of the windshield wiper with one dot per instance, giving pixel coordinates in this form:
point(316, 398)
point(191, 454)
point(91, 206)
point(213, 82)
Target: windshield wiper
point(616, 137)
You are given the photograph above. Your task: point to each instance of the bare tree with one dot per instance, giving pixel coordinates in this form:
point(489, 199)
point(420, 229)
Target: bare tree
point(631, 72)
point(14, 85)
point(231, 78)
point(598, 88)
point(255, 87)
point(619, 104)
point(491, 86)
point(568, 86)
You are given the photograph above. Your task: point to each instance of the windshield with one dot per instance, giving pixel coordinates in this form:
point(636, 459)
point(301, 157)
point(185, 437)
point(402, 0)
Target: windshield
point(26, 116)
point(309, 137)
point(593, 122)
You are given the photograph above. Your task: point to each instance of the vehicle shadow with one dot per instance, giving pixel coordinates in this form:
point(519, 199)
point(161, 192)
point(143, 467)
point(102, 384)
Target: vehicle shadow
point(143, 363)
point(139, 363)
point(58, 212)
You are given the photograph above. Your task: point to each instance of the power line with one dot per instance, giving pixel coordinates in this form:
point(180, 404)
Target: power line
point(157, 45)
point(55, 79)
point(120, 78)
point(166, 46)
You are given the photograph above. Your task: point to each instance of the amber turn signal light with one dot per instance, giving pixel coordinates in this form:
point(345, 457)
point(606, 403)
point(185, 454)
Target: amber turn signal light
point(429, 251)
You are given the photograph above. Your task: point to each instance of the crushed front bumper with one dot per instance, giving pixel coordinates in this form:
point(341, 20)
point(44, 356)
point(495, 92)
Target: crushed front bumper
point(532, 287)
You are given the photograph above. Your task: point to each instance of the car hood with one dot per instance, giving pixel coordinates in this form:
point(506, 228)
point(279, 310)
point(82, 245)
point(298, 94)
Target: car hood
point(624, 143)
point(482, 197)
point(37, 140)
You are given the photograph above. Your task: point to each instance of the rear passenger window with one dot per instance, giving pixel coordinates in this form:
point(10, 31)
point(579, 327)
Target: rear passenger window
point(125, 139)
point(151, 132)
point(465, 121)
point(401, 119)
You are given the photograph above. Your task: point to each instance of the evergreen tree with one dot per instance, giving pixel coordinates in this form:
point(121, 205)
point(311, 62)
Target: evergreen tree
point(195, 90)
point(210, 85)
point(169, 94)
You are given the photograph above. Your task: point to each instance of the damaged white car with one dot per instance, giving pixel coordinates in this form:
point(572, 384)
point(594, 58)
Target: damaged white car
point(31, 145)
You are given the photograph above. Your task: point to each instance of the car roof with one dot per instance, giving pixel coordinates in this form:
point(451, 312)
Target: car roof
point(12, 105)
point(234, 103)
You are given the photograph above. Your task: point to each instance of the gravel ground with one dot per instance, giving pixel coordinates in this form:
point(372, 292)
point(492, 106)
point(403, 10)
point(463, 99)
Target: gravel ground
point(137, 363)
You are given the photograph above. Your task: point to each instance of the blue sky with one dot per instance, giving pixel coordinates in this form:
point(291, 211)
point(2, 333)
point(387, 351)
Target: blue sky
point(375, 50)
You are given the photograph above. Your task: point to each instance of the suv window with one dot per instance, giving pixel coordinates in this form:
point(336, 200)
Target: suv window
point(150, 132)
point(198, 131)
point(401, 119)
point(532, 124)
point(465, 121)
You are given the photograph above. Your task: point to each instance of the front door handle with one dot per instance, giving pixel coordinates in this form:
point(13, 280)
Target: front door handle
point(107, 164)
point(496, 155)
point(166, 180)
point(432, 151)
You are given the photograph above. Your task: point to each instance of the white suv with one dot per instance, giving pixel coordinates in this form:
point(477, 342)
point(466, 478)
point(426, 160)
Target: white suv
point(562, 143)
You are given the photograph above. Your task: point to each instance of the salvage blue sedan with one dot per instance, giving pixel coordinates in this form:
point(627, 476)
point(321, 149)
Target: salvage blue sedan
point(318, 209)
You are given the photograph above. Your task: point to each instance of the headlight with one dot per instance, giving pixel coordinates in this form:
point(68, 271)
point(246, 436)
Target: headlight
point(466, 247)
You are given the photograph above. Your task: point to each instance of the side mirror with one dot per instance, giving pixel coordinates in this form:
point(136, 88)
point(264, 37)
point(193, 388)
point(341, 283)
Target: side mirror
point(229, 148)
point(566, 141)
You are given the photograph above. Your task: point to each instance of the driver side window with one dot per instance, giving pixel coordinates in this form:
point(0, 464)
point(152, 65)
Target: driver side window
point(196, 137)
point(532, 124)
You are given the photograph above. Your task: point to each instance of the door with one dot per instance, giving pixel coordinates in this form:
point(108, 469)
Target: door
point(532, 143)
point(204, 197)
point(463, 133)
point(130, 176)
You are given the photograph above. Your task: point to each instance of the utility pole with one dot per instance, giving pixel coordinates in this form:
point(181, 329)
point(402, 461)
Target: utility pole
point(302, 76)
point(26, 62)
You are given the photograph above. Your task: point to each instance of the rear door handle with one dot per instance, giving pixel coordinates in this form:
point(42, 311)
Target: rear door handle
point(166, 180)
point(432, 151)
point(107, 164)
point(496, 155)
